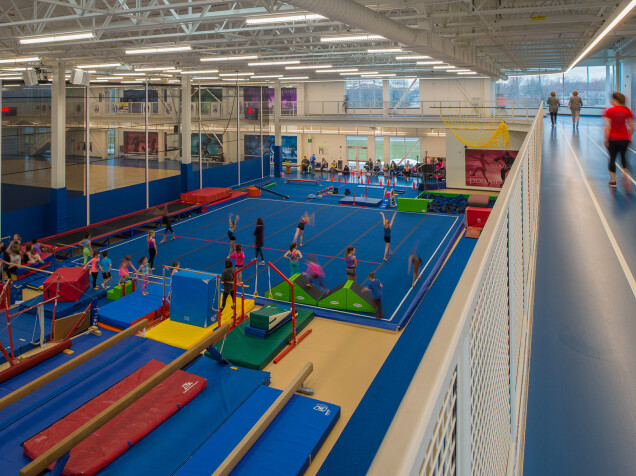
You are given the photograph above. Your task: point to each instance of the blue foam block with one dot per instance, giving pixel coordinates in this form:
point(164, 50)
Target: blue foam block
point(130, 308)
point(172, 443)
point(286, 447)
point(361, 201)
point(193, 299)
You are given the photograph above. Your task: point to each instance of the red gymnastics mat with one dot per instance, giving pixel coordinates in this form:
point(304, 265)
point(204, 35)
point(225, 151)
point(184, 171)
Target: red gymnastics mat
point(206, 195)
point(73, 282)
point(126, 429)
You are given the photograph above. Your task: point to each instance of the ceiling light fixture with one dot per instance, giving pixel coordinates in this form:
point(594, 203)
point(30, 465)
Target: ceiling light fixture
point(445, 66)
point(204, 71)
point(321, 66)
point(359, 73)
point(340, 70)
point(110, 77)
point(266, 76)
point(274, 63)
point(427, 63)
point(385, 75)
point(105, 65)
point(345, 38)
point(609, 27)
point(283, 19)
point(385, 50)
point(294, 78)
point(416, 57)
point(234, 79)
point(161, 49)
point(132, 74)
point(158, 68)
point(236, 74)
point(204, 78)
point(230, 58)
point(59, 37)
point(19, 60)
point(470, 72)
point(461, 71)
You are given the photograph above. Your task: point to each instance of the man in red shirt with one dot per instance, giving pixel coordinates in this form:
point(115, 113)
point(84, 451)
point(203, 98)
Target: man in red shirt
point(619, 126)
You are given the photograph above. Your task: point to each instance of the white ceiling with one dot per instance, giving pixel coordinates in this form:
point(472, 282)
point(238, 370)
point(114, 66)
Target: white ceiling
point(500, 37)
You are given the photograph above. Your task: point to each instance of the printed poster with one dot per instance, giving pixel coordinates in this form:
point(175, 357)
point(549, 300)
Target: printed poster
point(488, 168)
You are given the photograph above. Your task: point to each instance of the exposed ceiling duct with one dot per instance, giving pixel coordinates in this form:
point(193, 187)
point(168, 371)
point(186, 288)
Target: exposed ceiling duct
point(424, 42)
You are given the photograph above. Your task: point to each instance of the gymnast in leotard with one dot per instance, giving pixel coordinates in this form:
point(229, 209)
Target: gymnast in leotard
point(300, 229)
point(388, 224)
point(230, 231)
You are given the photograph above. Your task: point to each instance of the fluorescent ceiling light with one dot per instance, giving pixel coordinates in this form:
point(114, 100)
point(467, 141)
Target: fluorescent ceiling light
point(427, 63)
point(59, 37)
point(236, 74)
point(283, 19)
point(162, 49)
point(16, 69)
point(174, 80)
point(415, 57)
point(110, 77)
point(10, 76)
point(158, 68)
point(99, 80)
point(349, 38)
point(234, 79)
point(318, 66)
point(204, 78)
point(230, 58)
point(105, 65)
point(628, 8)
point(445, 66)
point(360, 72)
point(204, 71)
point(274, 63)
point(129, 82)
point(461, 71)
point(265, 76)
point(19, 60)
point(470, 72)
point(385, 75)
point(132, 74)
point(385, 50)
point(294, 78)
point(340, 70)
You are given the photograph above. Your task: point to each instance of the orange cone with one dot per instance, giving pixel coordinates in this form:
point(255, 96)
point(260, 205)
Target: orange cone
point(345, 177)
point(338, 178)
point(281, 175)
point(413, 184)
point(394, 182)
point(367, 180)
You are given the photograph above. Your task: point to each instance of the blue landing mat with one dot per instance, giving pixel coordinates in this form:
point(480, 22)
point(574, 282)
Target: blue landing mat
point(354, 451)
point(22, 331)
point(285, 448)
point(172, 443)
point(45, 406)
point(129, 308)
point(361, 201)
point(65, 308)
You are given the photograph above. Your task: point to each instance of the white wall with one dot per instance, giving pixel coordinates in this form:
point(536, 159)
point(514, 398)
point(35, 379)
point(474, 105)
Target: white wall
point(455, 159)
point(455, 90)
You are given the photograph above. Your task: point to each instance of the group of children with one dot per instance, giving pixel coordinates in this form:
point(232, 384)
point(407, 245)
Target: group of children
point(13, 256)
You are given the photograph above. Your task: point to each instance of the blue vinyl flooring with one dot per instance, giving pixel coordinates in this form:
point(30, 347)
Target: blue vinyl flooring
point(581, 416)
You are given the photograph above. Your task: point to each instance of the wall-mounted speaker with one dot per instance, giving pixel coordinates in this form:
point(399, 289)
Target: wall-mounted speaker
point(80, 77)
point(30, 77)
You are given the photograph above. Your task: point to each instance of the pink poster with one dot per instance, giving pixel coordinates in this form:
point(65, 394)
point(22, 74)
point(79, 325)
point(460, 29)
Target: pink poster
point(488, 168)
point(135, 142)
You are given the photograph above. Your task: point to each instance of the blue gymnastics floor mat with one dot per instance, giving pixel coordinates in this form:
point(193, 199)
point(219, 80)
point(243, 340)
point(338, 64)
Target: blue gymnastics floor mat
point(172, 443)
point(358, 443)
point(129, 308)
point(45, 406)
point(285, 448)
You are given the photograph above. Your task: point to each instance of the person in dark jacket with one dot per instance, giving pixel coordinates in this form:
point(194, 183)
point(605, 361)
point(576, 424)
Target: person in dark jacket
point(227, 279)
point(258, 239)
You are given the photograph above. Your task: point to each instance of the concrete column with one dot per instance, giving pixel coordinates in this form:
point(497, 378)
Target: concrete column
point(57, 218)
point(371, 147)
point(385, 97)
point(277, 131)
point(187, 180)
point(387, 150)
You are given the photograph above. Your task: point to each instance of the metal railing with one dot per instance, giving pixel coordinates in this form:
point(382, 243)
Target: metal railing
point(465, 408)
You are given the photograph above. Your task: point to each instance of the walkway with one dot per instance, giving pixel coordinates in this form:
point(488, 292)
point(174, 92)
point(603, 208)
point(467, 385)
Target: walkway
point(582, 394)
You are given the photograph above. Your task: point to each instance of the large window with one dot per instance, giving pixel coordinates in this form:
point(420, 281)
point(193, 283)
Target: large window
point(406, 148)
point(404, 93)
point(378, 150)
point(593, 83)
point(365, 93)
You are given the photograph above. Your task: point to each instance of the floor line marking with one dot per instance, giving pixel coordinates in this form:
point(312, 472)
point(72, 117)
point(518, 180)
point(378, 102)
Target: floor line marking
point(424, 268)
point(617, 250)
point(605, 152)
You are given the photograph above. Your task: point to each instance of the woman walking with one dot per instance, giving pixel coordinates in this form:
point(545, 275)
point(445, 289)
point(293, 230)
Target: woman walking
point(619, 127)
point(575, 104)
point(553, 107)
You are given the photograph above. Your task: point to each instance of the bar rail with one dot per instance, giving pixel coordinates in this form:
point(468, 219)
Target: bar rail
point(465, 408)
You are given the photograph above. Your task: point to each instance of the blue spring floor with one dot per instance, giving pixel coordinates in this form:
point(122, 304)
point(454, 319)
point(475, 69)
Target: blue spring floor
point(202, 242)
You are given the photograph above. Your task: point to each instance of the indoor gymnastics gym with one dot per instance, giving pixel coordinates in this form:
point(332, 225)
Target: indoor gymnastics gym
point(136, 337)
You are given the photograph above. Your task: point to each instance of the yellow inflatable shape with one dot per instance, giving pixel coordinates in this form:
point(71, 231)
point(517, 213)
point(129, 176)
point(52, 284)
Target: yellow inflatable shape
point(184, 336)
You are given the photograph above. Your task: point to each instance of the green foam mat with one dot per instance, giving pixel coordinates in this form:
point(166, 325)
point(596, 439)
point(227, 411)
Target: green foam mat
point(116, 292)
point(255, 353)
point(267, 317)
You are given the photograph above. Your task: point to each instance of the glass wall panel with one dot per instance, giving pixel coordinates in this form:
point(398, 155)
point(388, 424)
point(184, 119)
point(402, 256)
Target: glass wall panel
point(365, 93)
point(398, 88)
point(404, 148)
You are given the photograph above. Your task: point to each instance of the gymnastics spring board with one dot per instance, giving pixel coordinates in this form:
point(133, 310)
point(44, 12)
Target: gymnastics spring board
point(165, 449)
point(286, 447)
point(45, 406)
point(255, 353)
point(127, 428)
point(184, 336)
point(123, 312)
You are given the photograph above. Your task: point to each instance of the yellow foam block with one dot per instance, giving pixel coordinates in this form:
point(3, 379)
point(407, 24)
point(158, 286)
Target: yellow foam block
point(184, 336)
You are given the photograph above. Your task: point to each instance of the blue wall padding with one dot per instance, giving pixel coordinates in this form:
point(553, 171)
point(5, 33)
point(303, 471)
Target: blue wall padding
point(17, 197)
point(250, 170)
point(121, 201)
point(356, 447)
point(164, 190)
point(285, 448)
point(57, 215)
point(28, 222)
point(76, 212)
point(187, 178)
point(277, 160)
point(193, 297)
point(166, 448)
point(45, 406)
